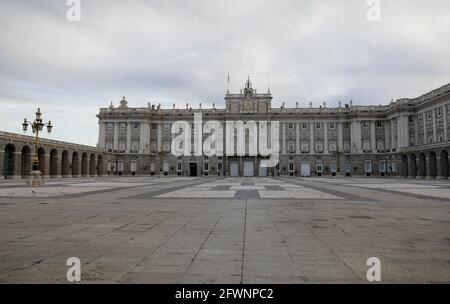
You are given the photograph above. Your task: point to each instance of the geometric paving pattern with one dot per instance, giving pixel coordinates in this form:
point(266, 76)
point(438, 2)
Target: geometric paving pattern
point(256, 230)
point(249, 188)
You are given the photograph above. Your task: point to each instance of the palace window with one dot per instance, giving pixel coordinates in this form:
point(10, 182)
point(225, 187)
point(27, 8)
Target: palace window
point(135, 146)
point(333, 167)
point(136, 125)
point(380, 145)
point(291, 167)
point(290, 126)
point(123, 126)
point(379, 124)
point(368, 166)
point(109, 147)
point(366, 146)
point(304, 125)
point(305, 147)
point(109, 126)
point(205, 166)
point(333, 147)
point(332, 126)
point(318, 126)
point(291, 148)
point(153, 146)
point(121, 146)
point(319, 147)
point(133, 167)
point(179, 166)
point(167, 147)
point(346, 147)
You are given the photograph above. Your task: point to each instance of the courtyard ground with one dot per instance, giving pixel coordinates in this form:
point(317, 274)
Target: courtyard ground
point(225, 230)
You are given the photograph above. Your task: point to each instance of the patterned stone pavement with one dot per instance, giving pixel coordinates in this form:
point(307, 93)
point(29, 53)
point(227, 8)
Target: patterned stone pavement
point(225, 230)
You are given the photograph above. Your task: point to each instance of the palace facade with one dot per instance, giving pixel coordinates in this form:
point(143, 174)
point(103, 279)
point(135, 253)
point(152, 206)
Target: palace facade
point(408, 137)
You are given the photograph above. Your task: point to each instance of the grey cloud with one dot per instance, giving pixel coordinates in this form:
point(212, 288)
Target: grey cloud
point(179, 51)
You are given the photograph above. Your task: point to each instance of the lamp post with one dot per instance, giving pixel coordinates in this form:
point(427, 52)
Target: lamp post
point(36, 126)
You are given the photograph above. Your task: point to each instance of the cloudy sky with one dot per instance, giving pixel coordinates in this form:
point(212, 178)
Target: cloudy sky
point(181, 51)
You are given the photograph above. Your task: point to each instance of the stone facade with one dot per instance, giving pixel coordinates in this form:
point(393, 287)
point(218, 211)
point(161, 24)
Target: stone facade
point(56, 158)
point(408, 137)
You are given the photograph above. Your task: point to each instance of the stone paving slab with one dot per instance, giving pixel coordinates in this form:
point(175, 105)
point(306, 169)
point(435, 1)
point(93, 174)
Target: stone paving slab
point(198, 230)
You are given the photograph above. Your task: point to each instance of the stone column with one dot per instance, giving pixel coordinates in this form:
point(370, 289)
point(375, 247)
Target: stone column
point(393, 141)
point(79, 166)
point(340, 137)
point(148, 137)
point(311, 138)
point(444, 113)
point(356, 137)
point(438, 167)
point(325, 137)
point(416, 130)
point(297, 138)
point(101, 135)
point(128, 143)
point(387, 135)
point(2, 161)
point(45, 169)
point(95, 167)
point(399, 133)
point(283, 138)
point(425, 135)
point(433, 113)
point(160, 135)
point(410, 168)
point(141, 138)
point(427, 168)
point(373, 137)
point(116, 137)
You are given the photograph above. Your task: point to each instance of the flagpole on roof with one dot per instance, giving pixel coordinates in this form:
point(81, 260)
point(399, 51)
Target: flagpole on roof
point(228, 84)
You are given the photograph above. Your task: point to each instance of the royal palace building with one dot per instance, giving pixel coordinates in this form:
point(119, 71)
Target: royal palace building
point(408, 137)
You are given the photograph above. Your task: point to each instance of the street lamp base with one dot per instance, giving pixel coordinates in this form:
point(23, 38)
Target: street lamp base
point(35, 179)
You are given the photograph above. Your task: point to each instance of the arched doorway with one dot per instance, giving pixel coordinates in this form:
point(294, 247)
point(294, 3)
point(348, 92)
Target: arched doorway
point(92, 167)
point(75, 164)
point(84, 165)
point(26, 162)
point(9, 161)
point(433, 165)
point(422, 165)
point(413, 166)
point(53, 163)
point(65, 163)
point(405, 165)
point(100, 165)
point(444, 164)
point(42, 167)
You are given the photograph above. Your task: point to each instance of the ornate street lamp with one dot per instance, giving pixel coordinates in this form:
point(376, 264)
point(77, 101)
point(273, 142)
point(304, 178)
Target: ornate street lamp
point(36, 126)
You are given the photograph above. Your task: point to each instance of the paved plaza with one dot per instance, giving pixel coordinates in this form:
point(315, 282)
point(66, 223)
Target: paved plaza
point(225, 230)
